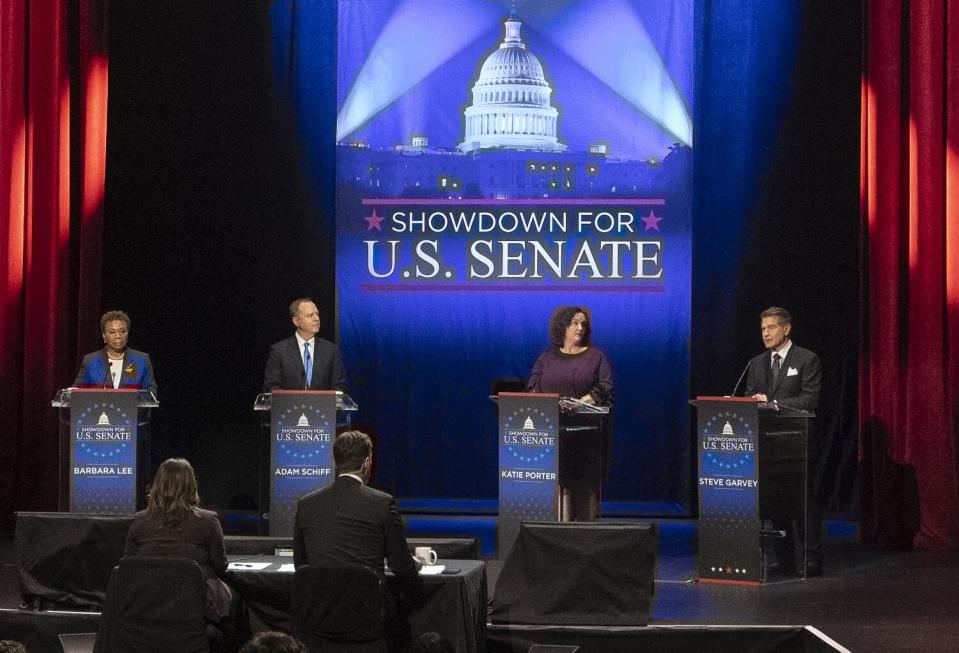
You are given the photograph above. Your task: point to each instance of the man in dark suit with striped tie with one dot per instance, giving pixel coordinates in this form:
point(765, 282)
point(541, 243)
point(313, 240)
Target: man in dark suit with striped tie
point(304, 361)
point(790, 377)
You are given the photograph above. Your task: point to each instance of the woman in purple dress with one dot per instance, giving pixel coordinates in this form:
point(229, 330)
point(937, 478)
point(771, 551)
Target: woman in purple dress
point(574, 368)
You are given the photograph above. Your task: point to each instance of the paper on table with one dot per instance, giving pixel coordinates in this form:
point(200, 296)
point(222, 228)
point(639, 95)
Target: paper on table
point(432, 570)
point(288, 568)
point(248, 566)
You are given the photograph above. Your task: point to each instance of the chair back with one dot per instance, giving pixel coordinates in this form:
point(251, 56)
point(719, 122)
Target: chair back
point(154, 604)
point(338, 608)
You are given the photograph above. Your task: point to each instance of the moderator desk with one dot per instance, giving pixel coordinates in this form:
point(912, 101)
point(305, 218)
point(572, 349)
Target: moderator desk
point(453, 605)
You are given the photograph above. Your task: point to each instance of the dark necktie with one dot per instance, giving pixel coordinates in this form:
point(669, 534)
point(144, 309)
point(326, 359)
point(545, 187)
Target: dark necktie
point(777, 367)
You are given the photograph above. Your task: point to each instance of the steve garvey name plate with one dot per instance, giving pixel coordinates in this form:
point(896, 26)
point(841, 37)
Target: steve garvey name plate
point(729, 547)
point(103, 451)
point(528, 463)
point(301, 454)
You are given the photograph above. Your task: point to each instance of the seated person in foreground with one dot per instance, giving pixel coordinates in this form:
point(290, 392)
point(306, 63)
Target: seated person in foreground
point(430, 642)
point(174, 525)
point(348, 523)
point(271, 641)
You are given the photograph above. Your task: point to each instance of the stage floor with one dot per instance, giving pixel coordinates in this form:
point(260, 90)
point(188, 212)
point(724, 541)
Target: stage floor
point(868, 600)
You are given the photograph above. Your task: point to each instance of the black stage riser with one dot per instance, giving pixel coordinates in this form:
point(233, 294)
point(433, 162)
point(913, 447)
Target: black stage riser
point(778, 639)
point(39, 631)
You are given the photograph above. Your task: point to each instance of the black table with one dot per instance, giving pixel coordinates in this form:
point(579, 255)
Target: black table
point(453, 605)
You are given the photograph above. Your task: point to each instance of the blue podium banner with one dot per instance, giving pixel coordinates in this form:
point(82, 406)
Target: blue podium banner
point(302, 427)
point(528, 463)
point(103, 451)
point(729, 521)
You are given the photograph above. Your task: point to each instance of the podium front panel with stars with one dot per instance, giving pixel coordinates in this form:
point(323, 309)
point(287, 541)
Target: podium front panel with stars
point(728, 438)
point(301, 459)
point(528, 463)
point(103, 451)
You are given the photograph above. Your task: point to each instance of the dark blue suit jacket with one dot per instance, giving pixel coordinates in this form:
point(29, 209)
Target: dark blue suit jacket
point(284, 367)
point(137, 370)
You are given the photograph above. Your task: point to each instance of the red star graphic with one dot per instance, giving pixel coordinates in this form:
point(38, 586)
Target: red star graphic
point(373, 222)
point(652, 221)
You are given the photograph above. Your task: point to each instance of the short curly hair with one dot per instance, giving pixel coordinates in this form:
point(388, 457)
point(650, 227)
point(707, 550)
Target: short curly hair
point(113, 316)
point(562, 318)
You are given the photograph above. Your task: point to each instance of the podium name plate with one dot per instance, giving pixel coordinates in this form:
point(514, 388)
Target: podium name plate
point(103, 451)
point(528, 463)
point(302, 426)
point(728, 437)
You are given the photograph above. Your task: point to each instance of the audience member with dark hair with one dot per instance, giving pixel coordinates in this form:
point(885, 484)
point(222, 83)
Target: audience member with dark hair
point(348, 523)
point(273, 642)
point(174, 525)
point(10, 646)
point(430, 643)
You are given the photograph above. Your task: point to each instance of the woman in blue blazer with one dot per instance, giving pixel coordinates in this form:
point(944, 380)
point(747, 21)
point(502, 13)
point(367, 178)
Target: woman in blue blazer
point(116, 365)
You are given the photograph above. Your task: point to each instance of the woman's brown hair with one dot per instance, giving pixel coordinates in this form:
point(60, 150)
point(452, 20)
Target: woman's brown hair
point(173, 493)
point(562, 318)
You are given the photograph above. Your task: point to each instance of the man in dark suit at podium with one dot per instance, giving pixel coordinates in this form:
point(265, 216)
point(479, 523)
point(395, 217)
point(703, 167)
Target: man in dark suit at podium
point(790, 377)
point(304, 361)
point(348, 523)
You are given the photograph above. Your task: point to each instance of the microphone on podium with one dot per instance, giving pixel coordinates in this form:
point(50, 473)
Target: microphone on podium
point(745, 369)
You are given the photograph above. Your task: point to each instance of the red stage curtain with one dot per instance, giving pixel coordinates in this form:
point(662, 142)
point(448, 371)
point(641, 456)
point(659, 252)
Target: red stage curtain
point(909, 378)
point(53, 95)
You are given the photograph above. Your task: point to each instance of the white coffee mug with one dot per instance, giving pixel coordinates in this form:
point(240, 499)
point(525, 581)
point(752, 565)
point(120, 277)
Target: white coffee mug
point(425, 554)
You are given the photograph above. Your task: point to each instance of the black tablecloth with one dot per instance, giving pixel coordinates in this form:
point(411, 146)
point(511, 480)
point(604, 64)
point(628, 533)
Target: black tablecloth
point(453, 605)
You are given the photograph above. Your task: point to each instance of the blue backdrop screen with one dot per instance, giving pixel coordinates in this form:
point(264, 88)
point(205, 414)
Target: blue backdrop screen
point(492, 163)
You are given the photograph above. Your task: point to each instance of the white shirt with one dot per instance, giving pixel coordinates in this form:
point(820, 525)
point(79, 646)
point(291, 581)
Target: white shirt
point(782, 354)
point(354, 476)
point(116, 369)
point(300, 341)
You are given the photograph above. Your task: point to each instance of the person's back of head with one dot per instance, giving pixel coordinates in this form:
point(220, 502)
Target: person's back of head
point(173, 492)
point(273, 642)
point(430, 643)
point(10, 646)
point(351, 450)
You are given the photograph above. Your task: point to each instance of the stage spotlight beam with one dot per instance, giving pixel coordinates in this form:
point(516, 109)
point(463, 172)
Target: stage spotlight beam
point(614, 46)
point(394, 66)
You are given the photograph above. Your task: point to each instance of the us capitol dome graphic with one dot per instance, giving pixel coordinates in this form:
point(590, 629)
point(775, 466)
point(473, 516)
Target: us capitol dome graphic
point(509, 147)
point(511, 106)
